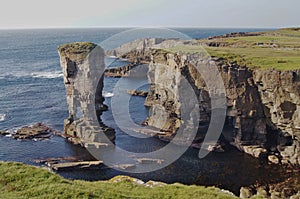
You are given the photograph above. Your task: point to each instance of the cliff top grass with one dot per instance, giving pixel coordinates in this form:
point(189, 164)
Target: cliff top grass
point(277, 49)
point(78, 49)
point(23, 181)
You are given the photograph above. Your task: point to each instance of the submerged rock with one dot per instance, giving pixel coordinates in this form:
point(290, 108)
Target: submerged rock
point(137, 93)
point(149, 160)
point(124, 166)
point(274, 159)
point(75, 165)
point(4, 132)
point(215, 148)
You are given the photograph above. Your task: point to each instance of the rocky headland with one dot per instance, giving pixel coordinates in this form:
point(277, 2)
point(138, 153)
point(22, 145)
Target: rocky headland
point(263, 101)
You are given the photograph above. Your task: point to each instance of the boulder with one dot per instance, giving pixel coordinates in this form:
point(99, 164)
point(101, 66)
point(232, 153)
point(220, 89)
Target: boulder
point(37, 131)
point(246, 192)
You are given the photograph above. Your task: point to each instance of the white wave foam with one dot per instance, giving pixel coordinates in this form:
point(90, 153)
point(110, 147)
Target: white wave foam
point(2, 117)
point(112, 57)
point(47, 75)
point(107, 94)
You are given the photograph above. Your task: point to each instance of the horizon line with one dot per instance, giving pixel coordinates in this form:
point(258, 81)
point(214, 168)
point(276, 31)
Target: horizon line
point(130, 27)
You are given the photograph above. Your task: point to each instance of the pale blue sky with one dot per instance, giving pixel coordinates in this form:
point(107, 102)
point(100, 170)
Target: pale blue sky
point(150, 13)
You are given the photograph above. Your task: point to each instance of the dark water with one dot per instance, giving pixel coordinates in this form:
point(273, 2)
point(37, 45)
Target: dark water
point(32, 90)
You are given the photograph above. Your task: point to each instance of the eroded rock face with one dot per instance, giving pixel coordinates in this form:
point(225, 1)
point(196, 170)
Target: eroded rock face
point(245, 110)
point(162, 98)
point(262, 106)
point(280, 96)
point(176, 100)
point(263, 109)
point(83, 69)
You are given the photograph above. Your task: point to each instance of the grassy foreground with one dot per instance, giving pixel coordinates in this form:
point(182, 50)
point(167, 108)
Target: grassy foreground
point(22, 181)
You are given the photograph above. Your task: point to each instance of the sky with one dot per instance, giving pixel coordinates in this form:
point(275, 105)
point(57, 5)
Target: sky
point(149, 13)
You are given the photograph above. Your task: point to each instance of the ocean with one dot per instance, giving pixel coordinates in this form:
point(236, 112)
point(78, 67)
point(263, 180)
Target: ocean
point(32, 90)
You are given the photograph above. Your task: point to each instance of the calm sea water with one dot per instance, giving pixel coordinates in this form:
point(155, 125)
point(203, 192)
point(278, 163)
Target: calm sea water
point(32, 90)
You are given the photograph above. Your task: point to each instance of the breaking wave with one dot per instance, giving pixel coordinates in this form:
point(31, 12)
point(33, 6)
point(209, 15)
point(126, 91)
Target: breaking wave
point(47, 75)
point(107, 94)
point(2, 117)
point(44, 75)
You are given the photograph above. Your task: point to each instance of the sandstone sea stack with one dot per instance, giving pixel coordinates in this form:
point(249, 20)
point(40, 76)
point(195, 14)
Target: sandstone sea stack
point(83, 68)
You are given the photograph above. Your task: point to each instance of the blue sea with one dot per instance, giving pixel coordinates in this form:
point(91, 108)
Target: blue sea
point(32, 90)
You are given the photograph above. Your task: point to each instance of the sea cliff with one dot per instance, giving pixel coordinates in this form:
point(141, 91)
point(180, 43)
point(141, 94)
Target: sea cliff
point(262, 106)
point(262, 82)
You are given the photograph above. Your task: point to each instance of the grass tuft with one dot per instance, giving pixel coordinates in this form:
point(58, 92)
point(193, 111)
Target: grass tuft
point(78, 50)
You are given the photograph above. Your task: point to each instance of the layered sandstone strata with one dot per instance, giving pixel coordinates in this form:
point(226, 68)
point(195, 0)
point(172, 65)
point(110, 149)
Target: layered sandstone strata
point(83, 68)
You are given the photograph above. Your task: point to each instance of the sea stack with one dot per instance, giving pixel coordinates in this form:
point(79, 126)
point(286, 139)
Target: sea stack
point(83, 68)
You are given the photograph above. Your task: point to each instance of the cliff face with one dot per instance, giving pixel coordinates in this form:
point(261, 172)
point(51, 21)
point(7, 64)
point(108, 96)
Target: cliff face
point(83, 69)
point(263, 113)
point(262, 105)
point(280, 95)
point(163, 96)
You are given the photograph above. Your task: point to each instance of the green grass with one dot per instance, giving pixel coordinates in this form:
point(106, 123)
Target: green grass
point(78, 49)
point(259, 58)
point(289, 31)
point(23, 181)
point(279, 49)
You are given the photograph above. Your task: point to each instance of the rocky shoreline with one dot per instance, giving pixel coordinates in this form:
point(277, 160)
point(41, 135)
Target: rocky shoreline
point(287, 189)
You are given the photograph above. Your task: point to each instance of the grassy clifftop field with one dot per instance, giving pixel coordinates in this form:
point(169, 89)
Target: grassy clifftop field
point(22, 181)
point(278, 49)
